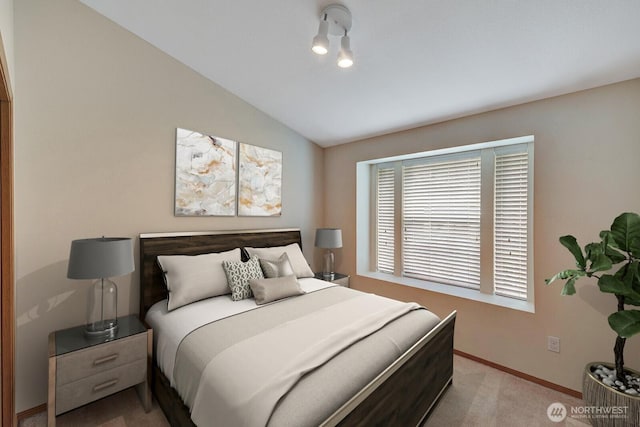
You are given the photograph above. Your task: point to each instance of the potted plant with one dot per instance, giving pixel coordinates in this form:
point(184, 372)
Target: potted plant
point(615, 262)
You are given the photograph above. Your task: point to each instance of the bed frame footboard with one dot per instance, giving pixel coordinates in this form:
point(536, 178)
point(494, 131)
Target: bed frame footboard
point(406, 392)
point(169, 400)
point(402, 395)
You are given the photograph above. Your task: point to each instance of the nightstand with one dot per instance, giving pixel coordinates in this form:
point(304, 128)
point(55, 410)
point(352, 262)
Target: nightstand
point(340, 279)
point(83, 369)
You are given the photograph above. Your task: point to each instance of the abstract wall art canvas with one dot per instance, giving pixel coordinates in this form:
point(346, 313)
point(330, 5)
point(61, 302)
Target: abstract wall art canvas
point(205, 175)
point(259, 181)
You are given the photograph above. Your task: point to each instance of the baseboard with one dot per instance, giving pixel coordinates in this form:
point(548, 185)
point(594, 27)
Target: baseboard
point(31, 412)
point(519, 374)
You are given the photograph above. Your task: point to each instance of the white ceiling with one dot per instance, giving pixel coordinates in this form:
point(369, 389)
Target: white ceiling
point(417, 62)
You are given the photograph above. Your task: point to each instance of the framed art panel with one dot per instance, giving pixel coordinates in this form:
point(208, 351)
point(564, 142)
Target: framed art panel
point(205, 175)
point(259, 181)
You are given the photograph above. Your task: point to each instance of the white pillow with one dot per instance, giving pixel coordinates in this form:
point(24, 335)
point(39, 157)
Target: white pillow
point(192, 278)
point(298, 262)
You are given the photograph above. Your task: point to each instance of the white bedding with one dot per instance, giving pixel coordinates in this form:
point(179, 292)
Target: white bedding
point(242, 384)
point(170, 328)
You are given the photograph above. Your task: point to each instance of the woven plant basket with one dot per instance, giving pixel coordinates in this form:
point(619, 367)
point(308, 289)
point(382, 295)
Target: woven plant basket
point(598, 395)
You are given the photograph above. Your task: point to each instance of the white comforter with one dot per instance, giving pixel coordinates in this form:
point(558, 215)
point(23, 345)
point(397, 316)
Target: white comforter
point(242, 385)
point(170, 327)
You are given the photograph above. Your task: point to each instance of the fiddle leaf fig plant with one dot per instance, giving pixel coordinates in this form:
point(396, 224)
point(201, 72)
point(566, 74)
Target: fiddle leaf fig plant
point(615, 262)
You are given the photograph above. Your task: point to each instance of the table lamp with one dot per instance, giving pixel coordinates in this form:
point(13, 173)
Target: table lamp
point(328, 238)
point(101, 258)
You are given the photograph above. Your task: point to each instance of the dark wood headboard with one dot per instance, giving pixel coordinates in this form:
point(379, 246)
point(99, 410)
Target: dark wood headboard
point(152, 286)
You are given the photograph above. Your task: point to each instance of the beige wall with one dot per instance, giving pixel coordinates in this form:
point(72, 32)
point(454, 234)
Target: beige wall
point(587, 147)
point(6, 33)
point(96, 113)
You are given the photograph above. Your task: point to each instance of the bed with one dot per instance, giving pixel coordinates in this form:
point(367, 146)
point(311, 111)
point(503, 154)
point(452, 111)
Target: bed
point(402, 393)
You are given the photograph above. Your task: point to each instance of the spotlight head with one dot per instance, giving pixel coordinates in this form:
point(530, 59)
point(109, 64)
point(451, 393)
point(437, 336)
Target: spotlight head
point(345, 57)
point(320, 43)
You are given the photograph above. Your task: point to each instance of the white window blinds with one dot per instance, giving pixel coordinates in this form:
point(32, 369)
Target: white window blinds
point(510, 228)
point(457, 217)
point(441, 221)
point(385, 219)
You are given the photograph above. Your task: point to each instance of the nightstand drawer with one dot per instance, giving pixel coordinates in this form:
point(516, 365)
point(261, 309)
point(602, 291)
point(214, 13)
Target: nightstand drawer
point(93, 360)
point(87, 390)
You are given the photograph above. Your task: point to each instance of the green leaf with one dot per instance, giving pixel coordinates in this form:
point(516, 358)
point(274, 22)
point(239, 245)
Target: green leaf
point(615, 256)
point(625, 229)
point(593, 250)
point(610, 248)
point(626, 323)
point(566, 274)
point(600, 263)
point(571, 243)
point(632, 301)
point(569, 287)
point(571, 276)
point(629, 274)
point(605, 236)
point(634, 247)
point(613, 285)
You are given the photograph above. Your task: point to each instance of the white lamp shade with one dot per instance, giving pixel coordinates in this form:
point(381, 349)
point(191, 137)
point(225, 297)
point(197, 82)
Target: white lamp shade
point(328, 238)
point(345, 57)
point(320, 44)
point(100, 258)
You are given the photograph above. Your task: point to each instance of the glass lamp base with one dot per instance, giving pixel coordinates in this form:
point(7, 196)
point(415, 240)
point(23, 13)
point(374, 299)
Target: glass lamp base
point(107, 328)
point(102, 309)
point(327, 265)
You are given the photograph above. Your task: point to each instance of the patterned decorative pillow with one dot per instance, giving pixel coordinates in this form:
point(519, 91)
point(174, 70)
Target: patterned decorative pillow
point(238, 276)
point(278, 268)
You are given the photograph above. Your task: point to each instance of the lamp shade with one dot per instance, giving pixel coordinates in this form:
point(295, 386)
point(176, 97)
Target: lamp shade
point(345, 57)
point(100, 258)
point(320, 43)
point(329, 238)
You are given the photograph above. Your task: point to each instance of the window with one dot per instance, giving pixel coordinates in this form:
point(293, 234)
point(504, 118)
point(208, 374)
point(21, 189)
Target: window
point(441, 220)
point(457, 221)
point(510, 228)
point(385, 219)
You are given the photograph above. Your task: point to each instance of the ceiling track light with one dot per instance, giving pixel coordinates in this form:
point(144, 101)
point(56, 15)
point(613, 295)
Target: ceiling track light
point(320, 43)
point(335, 19)
point(345, 57)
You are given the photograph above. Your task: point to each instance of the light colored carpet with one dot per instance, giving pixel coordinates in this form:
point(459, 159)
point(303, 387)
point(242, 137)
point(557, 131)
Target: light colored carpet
point(119, 410)
point(486, 397)
point(480, 396)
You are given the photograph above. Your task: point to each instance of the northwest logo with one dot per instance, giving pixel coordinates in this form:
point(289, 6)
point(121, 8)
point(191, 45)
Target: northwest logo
point(557, 412)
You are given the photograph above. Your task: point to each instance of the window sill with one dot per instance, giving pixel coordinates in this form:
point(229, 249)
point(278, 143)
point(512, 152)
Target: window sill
point(455, 291)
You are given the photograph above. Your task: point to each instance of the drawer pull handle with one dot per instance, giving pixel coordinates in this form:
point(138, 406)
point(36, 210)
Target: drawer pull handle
point(105, 385)
point(105, 359)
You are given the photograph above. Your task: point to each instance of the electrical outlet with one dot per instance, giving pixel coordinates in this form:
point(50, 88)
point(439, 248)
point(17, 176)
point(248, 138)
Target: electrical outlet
point(553, 344)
